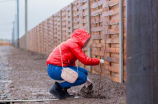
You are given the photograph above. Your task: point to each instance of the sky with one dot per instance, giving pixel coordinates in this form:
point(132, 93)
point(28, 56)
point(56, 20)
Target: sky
point(38, 10)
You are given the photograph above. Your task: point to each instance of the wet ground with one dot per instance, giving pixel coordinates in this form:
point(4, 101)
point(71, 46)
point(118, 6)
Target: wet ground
point(4, 72)
point(26, 74)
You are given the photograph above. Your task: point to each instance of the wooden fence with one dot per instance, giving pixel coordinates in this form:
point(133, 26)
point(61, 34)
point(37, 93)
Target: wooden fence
point(102, 22)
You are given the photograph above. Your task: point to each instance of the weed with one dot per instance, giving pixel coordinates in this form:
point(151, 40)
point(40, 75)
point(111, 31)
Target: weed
point(122, 102)
point(26, 102)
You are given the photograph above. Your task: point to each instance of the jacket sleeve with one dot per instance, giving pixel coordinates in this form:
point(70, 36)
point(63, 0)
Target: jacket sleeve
point(77, 51)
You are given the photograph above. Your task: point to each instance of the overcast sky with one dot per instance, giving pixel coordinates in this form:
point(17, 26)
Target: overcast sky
point(38, 10)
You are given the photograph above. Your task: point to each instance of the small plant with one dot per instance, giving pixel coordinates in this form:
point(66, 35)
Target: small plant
point(26, 102)
point(122, 102)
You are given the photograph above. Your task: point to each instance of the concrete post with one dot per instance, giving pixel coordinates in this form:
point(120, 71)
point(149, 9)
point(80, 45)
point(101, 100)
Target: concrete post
point(26, 23)
point(60, 26)
point(71, 18)
point(47, 39)
point(89, 30)
point(42, 39)
point(39, 39)
point(53, 30)
point(17, 23)
point(142, 51)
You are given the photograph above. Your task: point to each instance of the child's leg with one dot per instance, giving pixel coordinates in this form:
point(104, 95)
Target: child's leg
point(54, 72)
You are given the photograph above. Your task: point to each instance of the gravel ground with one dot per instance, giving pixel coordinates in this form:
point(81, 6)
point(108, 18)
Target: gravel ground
point(30, 81)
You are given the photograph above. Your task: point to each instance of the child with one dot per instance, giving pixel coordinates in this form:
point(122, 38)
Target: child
point(71, 50)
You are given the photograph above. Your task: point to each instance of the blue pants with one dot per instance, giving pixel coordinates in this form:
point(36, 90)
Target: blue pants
point(55, 73)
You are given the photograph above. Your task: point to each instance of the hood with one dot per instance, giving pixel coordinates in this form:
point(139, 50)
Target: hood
point(81, 36)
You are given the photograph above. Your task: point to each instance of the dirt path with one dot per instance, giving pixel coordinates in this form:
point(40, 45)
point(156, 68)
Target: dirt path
point(30, 81)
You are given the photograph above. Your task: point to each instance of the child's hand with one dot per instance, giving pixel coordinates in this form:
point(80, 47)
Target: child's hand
point(101, 61)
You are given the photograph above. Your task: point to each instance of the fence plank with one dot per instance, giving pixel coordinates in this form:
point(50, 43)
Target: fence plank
point(111, 40)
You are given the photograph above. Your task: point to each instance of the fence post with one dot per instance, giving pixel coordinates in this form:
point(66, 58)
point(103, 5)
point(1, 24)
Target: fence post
point(47, 39)
point(60, 26)
point(42, 39)
point(33, 39)
point(89, 30)
point(142, 51)
point(120, 41)
point(39, 39)
point(71, 18)
point(26, 26)
point(36, 40)
point(17, 23)
point(53, 30)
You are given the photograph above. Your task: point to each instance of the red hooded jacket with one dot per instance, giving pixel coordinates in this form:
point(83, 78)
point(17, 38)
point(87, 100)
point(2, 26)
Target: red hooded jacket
point(71, 50)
